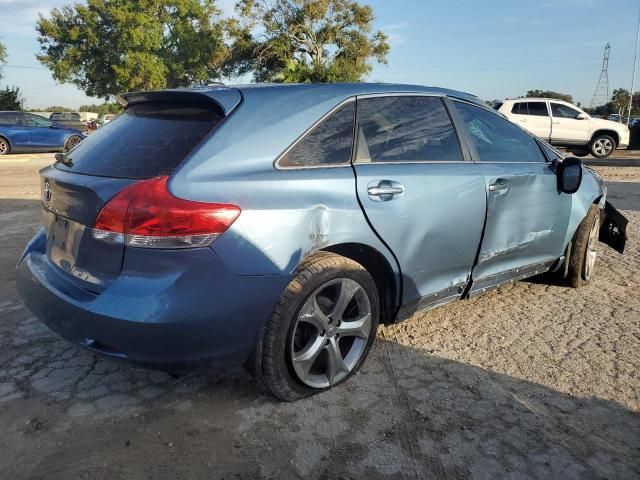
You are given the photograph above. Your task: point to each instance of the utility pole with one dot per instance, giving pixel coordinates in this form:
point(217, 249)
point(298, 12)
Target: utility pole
point(601, 94)
point(633, 77)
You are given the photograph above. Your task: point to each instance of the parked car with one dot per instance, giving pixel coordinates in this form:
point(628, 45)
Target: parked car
point(25, 132)
point(69, 120)
point(107, 119)
point(565, 125)
point(277, 226)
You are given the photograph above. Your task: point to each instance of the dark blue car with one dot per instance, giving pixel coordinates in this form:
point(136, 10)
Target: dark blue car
point(25, 132)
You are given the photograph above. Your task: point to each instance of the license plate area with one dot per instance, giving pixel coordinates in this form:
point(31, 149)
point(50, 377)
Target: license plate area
point(64, 238)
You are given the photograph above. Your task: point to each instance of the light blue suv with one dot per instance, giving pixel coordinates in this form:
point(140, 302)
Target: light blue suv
point(277, 226)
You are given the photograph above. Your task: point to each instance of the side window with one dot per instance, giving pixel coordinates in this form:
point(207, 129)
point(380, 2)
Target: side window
point(405, 129)
point(563, 111)
point(520, 108)
point(496, 139)
point(35, 121)
point(538, 109)
point(8, 118)
point(329, 143)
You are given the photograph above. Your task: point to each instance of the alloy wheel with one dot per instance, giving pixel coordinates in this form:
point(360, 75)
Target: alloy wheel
point(4, 146)
point(591, 253)
point(72, 142)
point(331, 333)
point(603, 146)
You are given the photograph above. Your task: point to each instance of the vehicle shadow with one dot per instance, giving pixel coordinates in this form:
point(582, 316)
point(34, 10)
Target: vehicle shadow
point(67, 413)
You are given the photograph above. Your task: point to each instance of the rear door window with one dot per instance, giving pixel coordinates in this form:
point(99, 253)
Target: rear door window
point(35, 120)
point(9, 118)
point(147, 140)
point(405, 129)
point(537, 109)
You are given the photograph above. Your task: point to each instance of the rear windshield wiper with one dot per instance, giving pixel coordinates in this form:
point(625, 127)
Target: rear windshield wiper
point(63, 159)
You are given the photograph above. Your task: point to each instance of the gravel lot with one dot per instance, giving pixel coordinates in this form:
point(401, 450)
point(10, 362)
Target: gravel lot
point(531, 381)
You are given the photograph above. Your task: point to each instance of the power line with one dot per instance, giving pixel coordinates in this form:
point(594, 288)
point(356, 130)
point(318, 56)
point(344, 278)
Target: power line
point(24, 66)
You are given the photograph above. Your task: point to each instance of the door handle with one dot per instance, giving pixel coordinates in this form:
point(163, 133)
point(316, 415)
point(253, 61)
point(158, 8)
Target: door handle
point(499, 187)
point(378, 191)
point(385, 190)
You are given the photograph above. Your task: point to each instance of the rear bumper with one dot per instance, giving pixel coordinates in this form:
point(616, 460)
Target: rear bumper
point(167, 309)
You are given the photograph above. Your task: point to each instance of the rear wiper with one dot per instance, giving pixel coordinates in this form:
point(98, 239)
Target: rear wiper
point(63, 159)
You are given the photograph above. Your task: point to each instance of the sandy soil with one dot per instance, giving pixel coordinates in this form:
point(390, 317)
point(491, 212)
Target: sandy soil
point(534, 380)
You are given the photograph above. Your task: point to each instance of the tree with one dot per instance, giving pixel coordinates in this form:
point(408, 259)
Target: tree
point(620, 100)
point(109, 46)
point(309, 40)
point(11, 99)
point(550, 94)
point(104, 109)
point(3, 57)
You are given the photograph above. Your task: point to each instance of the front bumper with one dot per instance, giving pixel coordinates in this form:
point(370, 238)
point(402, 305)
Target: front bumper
point(613, 231)
point(168, 309)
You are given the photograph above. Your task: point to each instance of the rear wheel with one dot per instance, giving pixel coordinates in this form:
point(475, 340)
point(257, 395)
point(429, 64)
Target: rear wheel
point(5, 148)
point(602, 146)
point(71, 142)
point(322, 328)
point(583, 251)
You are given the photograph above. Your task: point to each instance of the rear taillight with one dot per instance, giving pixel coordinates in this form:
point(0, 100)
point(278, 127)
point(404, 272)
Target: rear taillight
point(146, 214)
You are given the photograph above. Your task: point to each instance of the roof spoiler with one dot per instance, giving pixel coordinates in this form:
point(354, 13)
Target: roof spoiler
point(223, 98)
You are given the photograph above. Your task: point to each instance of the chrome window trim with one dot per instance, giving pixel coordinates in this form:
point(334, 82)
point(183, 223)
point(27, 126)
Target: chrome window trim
point(276, 162)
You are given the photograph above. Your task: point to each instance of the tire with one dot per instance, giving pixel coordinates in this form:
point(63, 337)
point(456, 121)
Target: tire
point(580, 153)
point(602, 146)
point(5, 147)
point(583, 256)
point(71, 142)
point(307, 333)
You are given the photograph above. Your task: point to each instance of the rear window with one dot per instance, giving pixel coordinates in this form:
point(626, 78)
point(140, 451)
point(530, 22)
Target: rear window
point(9, 118)
point(147, 140)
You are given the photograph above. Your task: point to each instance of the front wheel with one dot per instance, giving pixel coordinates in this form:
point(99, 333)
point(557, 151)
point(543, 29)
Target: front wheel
point(602, 146)
point(583, 255)
point(322, 328)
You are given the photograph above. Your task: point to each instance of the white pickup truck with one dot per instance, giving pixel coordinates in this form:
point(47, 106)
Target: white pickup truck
point(565, 125)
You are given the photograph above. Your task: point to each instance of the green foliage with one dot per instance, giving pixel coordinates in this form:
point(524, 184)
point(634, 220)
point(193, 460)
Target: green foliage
point(54, 108)
point(11, 99)
point(550, 94)
point(104, 109)
point(620, 100)
point(106, 47)
point(308, 40)
point(3, 57)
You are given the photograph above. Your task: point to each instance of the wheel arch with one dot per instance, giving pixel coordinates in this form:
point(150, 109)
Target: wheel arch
point(380, 269)
point(603, 131)
point(591, 192)
point(8, 141)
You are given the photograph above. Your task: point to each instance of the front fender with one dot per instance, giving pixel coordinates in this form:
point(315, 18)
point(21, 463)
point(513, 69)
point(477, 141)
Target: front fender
point(591, 190)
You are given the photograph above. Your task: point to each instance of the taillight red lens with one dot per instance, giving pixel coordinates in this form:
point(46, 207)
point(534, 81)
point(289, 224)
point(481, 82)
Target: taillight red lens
point(146, 214)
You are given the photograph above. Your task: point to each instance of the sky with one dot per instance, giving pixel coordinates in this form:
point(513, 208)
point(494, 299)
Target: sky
point(495, 49)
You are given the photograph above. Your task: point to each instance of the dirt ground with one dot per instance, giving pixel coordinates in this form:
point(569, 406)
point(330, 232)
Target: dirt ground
point(531, 381)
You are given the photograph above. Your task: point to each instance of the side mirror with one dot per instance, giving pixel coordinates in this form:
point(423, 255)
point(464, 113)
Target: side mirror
point(569, 174)
point(582, 116)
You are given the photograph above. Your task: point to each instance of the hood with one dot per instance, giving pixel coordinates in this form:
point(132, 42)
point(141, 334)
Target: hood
point(611, 125)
